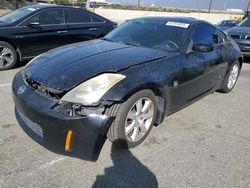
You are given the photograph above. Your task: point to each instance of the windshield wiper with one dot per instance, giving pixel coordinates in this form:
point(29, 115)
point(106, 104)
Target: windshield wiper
point(132, 44)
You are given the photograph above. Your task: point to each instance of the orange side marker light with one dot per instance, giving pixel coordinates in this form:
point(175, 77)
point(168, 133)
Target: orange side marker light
point(68, 141)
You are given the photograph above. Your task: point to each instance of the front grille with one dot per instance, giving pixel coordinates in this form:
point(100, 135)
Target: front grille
point(54, 93)
point(235, 36)
point(241, 36)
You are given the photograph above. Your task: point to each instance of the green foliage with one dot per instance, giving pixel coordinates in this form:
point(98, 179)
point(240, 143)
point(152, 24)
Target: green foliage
point(61, 2)
point(16, 2)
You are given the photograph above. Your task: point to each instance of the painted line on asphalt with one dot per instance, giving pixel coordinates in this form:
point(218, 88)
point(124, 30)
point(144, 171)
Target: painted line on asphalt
point(4, 85)
point(51, 163)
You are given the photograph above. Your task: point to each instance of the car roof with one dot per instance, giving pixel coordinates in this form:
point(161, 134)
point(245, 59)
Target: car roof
point(46, 5)
point(188, 20)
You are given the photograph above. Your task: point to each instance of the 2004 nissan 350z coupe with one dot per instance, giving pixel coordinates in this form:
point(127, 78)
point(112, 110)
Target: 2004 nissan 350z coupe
point(72, 98)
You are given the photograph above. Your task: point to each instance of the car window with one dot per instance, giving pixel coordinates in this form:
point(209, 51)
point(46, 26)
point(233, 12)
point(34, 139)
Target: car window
point(205, 34)
point(221, 37)
point(160, 35)
point(75, 16)
point(96, 19)
point(245, 22)
point(13, 16)
point(47, 17)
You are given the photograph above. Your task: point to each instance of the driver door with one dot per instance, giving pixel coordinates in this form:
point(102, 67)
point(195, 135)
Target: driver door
point(201, 71)
point(42, 32)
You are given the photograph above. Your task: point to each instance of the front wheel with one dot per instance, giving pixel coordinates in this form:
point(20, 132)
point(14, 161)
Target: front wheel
point(231, 78)
point(8, 56)
point(134, 119)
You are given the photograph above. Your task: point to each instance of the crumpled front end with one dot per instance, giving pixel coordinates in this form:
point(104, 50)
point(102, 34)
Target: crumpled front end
point(55, 125)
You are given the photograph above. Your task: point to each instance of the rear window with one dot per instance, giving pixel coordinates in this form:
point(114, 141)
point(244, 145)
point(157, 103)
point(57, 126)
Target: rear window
point(96, 19)
point(75, 16)
point(48, 17)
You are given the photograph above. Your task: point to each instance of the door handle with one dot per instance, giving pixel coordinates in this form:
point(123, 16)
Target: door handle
point(93, 29)
point(61, 32)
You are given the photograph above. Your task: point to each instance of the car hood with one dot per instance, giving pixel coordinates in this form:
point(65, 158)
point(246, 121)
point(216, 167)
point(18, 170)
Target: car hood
point(239, 30)
point(65, 67)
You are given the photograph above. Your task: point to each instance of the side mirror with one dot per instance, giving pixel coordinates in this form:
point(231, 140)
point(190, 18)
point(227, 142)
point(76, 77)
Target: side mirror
point(34, 24)
point(202, 47)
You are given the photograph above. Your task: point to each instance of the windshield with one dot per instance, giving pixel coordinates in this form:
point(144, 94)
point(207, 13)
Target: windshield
point(16, 15)
point(228, 23)
point(165, 36)
point(245, 23)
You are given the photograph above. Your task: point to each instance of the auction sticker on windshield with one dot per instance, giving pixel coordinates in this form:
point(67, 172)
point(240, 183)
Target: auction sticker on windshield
point(178, 24)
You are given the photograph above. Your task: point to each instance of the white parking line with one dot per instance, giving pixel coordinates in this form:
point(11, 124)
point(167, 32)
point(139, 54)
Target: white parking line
point(3, 85)
point(55, 161)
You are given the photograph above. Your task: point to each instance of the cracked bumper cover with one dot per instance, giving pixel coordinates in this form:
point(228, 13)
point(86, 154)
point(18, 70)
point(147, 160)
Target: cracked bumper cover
point(47, 126)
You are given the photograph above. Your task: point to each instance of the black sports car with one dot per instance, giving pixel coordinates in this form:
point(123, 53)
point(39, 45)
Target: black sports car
point(32, 30)
point(72, 98)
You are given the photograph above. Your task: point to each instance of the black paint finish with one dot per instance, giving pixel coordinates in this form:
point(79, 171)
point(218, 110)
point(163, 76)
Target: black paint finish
point(33, 40)
point(177, 79)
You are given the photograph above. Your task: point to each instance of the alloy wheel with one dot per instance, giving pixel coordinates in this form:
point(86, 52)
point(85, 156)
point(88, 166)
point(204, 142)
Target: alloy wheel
point(139, 119)
point(233, 76)
point(6, 57)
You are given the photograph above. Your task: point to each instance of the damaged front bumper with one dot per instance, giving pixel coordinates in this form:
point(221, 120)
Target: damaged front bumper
point(45, 122)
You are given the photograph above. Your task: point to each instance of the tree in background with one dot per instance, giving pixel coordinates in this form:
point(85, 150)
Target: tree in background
point(81, 2)
point(17, 2)
point(61, 2)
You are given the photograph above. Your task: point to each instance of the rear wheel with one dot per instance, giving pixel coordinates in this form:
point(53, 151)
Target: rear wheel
point(8, 56)
point(134, 119)
point(231, 78)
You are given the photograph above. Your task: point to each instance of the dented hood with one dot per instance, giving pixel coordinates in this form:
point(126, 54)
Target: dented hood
point(65, 67)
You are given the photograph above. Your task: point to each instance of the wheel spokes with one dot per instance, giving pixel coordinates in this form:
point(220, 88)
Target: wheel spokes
point(132, 115)
point(233, 76)
point(143, 128)
point(146, 106)
point(139, 119)
point(7, 59)
point(148, 115)
point(135, 133)
point(6, 51)
point(129, 128)
point(138, 106)
point(2, 63)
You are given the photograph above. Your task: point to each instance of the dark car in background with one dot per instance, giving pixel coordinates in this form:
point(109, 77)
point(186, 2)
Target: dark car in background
point(72, 98)
point(227, 24)
point(241, 35)
point(32, 30)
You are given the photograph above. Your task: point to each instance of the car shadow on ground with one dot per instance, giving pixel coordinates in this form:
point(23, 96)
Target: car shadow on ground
point(127, 171)
point(21, 64)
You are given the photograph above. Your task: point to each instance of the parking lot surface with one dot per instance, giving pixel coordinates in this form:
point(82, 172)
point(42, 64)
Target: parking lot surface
point(205, 145)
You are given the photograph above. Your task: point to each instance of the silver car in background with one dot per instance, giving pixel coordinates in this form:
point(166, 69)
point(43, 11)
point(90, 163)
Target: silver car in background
point(241, 35)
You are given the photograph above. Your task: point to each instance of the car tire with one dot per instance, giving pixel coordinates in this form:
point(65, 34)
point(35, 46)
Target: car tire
point(8, 56)
point(231, 78)
point(133, 121)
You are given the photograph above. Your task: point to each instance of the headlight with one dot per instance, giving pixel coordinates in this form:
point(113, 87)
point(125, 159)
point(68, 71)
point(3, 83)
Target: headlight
point(93, 89)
